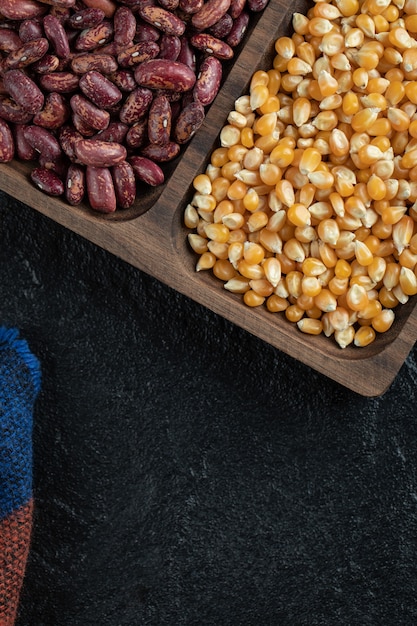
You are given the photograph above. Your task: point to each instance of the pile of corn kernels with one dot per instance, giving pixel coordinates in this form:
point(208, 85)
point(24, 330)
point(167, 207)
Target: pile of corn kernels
point(309, 204)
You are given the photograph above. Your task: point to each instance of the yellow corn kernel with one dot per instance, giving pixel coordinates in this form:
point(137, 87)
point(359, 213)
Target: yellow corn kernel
point(253, 299)
point(294, 250)
point(363, 255)
point(229, 136)
point(276, 304)
point(393, 214)
point(387, 298)
point(259, 94)
point(256, 221)
point(285, 47)
point(262, 287)
point(402, 231)
point(377, 268)
point(237, 190)
point(408, 281)
point(265, 124)
point(294, 313)
point(409, 159)
point(398, 118)
point(253, 253)
point(410, 89)
point(344, 337)
point(298, 67)
point(252, 271)
point(272, 105)
point(325, 301)
point(399, 38)
point(270, 173)
point(339, 318)
point(363, 119)
point(301, 111)
point(246, 137)
point(391, 276)
point(312, 266)
point(383, 320)
point(332, 43)
point(217, 232)
point(309, 161)
point(364, 336)
point(220, 250)
point(356, 297)
point(376, 187)
point(310, 326)
point(272, 269)
point(350, 103)
point(237, 284)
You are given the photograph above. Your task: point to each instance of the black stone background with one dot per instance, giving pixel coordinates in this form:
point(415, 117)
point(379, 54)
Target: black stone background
point(185, 472)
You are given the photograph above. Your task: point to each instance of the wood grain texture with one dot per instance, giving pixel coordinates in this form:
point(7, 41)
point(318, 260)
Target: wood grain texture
point(151, 237)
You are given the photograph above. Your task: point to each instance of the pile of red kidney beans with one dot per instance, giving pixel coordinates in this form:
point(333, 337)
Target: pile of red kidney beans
point(99, 94)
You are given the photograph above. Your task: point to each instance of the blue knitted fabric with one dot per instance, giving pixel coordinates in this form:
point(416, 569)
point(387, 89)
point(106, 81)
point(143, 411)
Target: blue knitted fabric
point(19, 386)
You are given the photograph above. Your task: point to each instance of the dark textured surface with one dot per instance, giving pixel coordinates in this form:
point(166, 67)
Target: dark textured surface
point(188, 474)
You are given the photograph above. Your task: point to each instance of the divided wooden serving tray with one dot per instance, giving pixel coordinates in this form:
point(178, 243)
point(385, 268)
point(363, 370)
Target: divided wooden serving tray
point(151, 236)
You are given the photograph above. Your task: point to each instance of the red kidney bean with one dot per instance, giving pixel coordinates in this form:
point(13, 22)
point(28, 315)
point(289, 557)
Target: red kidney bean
point(210, 13)
point(86, 18)
point(43, 141)
point(124, 182)
point(137, 133)
point(164, 20)
point(222, 27)
point(161, 153)
point(56, 35)
point(24, 151)
point(54, 113)
point(159, 120)
point(7, 144)
point(165, 74)
point(169, 47)
point(236, 8)
point(27, 54)
point(10, 111)
point(30, 29)
point(91, 114)
point(47, 181)
point(100, 189)
point(137, 53)
point(68, 137)
point(63, 82)
point(23, 90)
point(115, 131)
point(99, 153)
point(9, 40)
point(211, 45)
point(238, 30)
point(99, 89)
point(124, 26)
point(46, 65)
point(104, 63)
point(81, 126)
point(188, 122)
point(75, 184)
point(136, 105)
point(147, 170)
point(190, 6)
point(208, 81)
point(22, 9)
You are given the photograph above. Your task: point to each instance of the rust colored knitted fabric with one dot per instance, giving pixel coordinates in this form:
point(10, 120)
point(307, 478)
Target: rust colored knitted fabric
point(15, 532)
point(19, 386)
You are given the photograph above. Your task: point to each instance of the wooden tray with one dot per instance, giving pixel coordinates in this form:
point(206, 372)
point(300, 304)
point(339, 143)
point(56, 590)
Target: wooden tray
point(151, 236)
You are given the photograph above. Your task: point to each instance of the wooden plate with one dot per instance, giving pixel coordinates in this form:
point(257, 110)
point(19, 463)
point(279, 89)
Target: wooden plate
point(151, 236)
